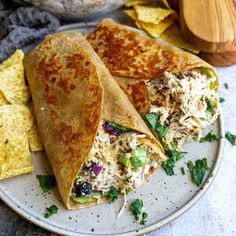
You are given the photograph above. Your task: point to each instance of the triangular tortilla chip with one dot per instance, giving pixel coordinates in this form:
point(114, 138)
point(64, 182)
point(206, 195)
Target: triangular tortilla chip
point(15, 156)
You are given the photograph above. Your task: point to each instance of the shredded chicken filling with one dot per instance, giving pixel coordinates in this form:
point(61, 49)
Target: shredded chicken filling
point(105, 153)
point(185, 102)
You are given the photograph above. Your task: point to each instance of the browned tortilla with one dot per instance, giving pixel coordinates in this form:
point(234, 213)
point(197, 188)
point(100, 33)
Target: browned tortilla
point(133, 57)
point(72, 91)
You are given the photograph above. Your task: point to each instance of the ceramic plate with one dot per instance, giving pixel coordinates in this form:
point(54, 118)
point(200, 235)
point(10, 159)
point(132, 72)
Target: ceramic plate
point(165, 197)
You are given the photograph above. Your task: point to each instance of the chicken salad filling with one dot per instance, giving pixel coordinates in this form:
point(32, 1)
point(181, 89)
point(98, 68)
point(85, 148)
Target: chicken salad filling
point(185, 103)
point(118, 159)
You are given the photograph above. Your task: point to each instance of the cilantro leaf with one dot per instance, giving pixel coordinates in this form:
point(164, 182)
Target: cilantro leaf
point(210, 137)
point(154, 124)
point(221, 100)
point(50, 211)
point(120, 127)
point(136, 208)
point(209, 111)
point(128, 190)
point(144, 218)
point(182, 170)
point(231, 138)
point(46, 182)
point(152, 120)
point(226, 86)
point(169, 164)
point(112, 194)
point(198, 170)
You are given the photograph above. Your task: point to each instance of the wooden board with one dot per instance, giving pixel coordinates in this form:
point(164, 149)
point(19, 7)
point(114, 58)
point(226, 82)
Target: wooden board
point(209, 24)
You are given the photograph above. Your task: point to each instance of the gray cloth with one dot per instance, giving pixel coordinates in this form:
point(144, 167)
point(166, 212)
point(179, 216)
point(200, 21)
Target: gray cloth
point(22, 26)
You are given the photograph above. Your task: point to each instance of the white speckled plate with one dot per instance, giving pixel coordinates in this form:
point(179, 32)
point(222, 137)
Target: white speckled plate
point(165, 197)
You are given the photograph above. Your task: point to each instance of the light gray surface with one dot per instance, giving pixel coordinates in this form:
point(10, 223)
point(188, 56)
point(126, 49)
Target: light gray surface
point(214, 214)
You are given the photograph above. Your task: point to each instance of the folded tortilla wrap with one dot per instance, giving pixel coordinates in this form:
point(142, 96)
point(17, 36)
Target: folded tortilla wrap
point(160, 78)
point(87, 125)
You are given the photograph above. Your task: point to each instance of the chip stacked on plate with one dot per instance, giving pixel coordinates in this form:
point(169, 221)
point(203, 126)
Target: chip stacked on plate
point(18, 131)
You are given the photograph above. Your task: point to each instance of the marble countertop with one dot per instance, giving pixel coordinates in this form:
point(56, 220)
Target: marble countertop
point(214, 214)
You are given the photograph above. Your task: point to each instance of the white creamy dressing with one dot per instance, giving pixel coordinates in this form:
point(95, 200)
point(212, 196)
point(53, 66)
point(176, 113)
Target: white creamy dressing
point(105, 152)
point(181, 102)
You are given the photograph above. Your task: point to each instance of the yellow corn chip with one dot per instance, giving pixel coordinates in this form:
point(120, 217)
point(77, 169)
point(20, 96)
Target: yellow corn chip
point(163, 4)
point(174, 36)
point(15, 156)
point(13, 60)
point(131, 3)
point(12, 80)
point(156, 29)
point(34, 139)
point(131, 13)
point(3, 100)
point(152, 15)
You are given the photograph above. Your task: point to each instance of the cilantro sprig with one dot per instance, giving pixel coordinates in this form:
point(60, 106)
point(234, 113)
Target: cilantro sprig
point(50, 211)
point(226, 86)
point(120, 127)
point(46, 182)
point(172, 154)
point(136, 208)
point(231, 138)
point(169, 164)
point(112, 194)
point(144, 218)
point(198, 170)
point(210, 137)
point(221, 100)
point(154, 124)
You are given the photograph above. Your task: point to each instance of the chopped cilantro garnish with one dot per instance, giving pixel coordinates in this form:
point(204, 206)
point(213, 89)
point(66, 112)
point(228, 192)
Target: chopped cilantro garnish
point(46, 182)
point(226, 86)
point(50, 211)
point(182, 170)
point(121, 128)
point(198, 170)
point(221, 100)
point(144, 218)
point(112, 194)
point(152, 120)
point(210, 137)
point(136, 208)
point(231, 138)
point(154, 124)
point(209, 111)
point(169, 164)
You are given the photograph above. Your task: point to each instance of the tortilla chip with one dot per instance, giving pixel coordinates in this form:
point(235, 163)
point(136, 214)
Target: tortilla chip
point(12, 80)
point(152, 15)
point(3, 100)
point(163, 4)
point(13, 60)
point(34, 139)
point(131, 13)
point(131, 3)
point(174, 36)
point(15, 156)
point(156, 29)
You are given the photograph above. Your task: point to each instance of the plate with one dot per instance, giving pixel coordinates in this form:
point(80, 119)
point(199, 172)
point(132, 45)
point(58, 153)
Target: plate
point(165, 197)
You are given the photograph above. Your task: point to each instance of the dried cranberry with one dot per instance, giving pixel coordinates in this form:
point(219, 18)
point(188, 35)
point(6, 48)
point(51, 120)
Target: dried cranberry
point(83, 189)
point(111, 129)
